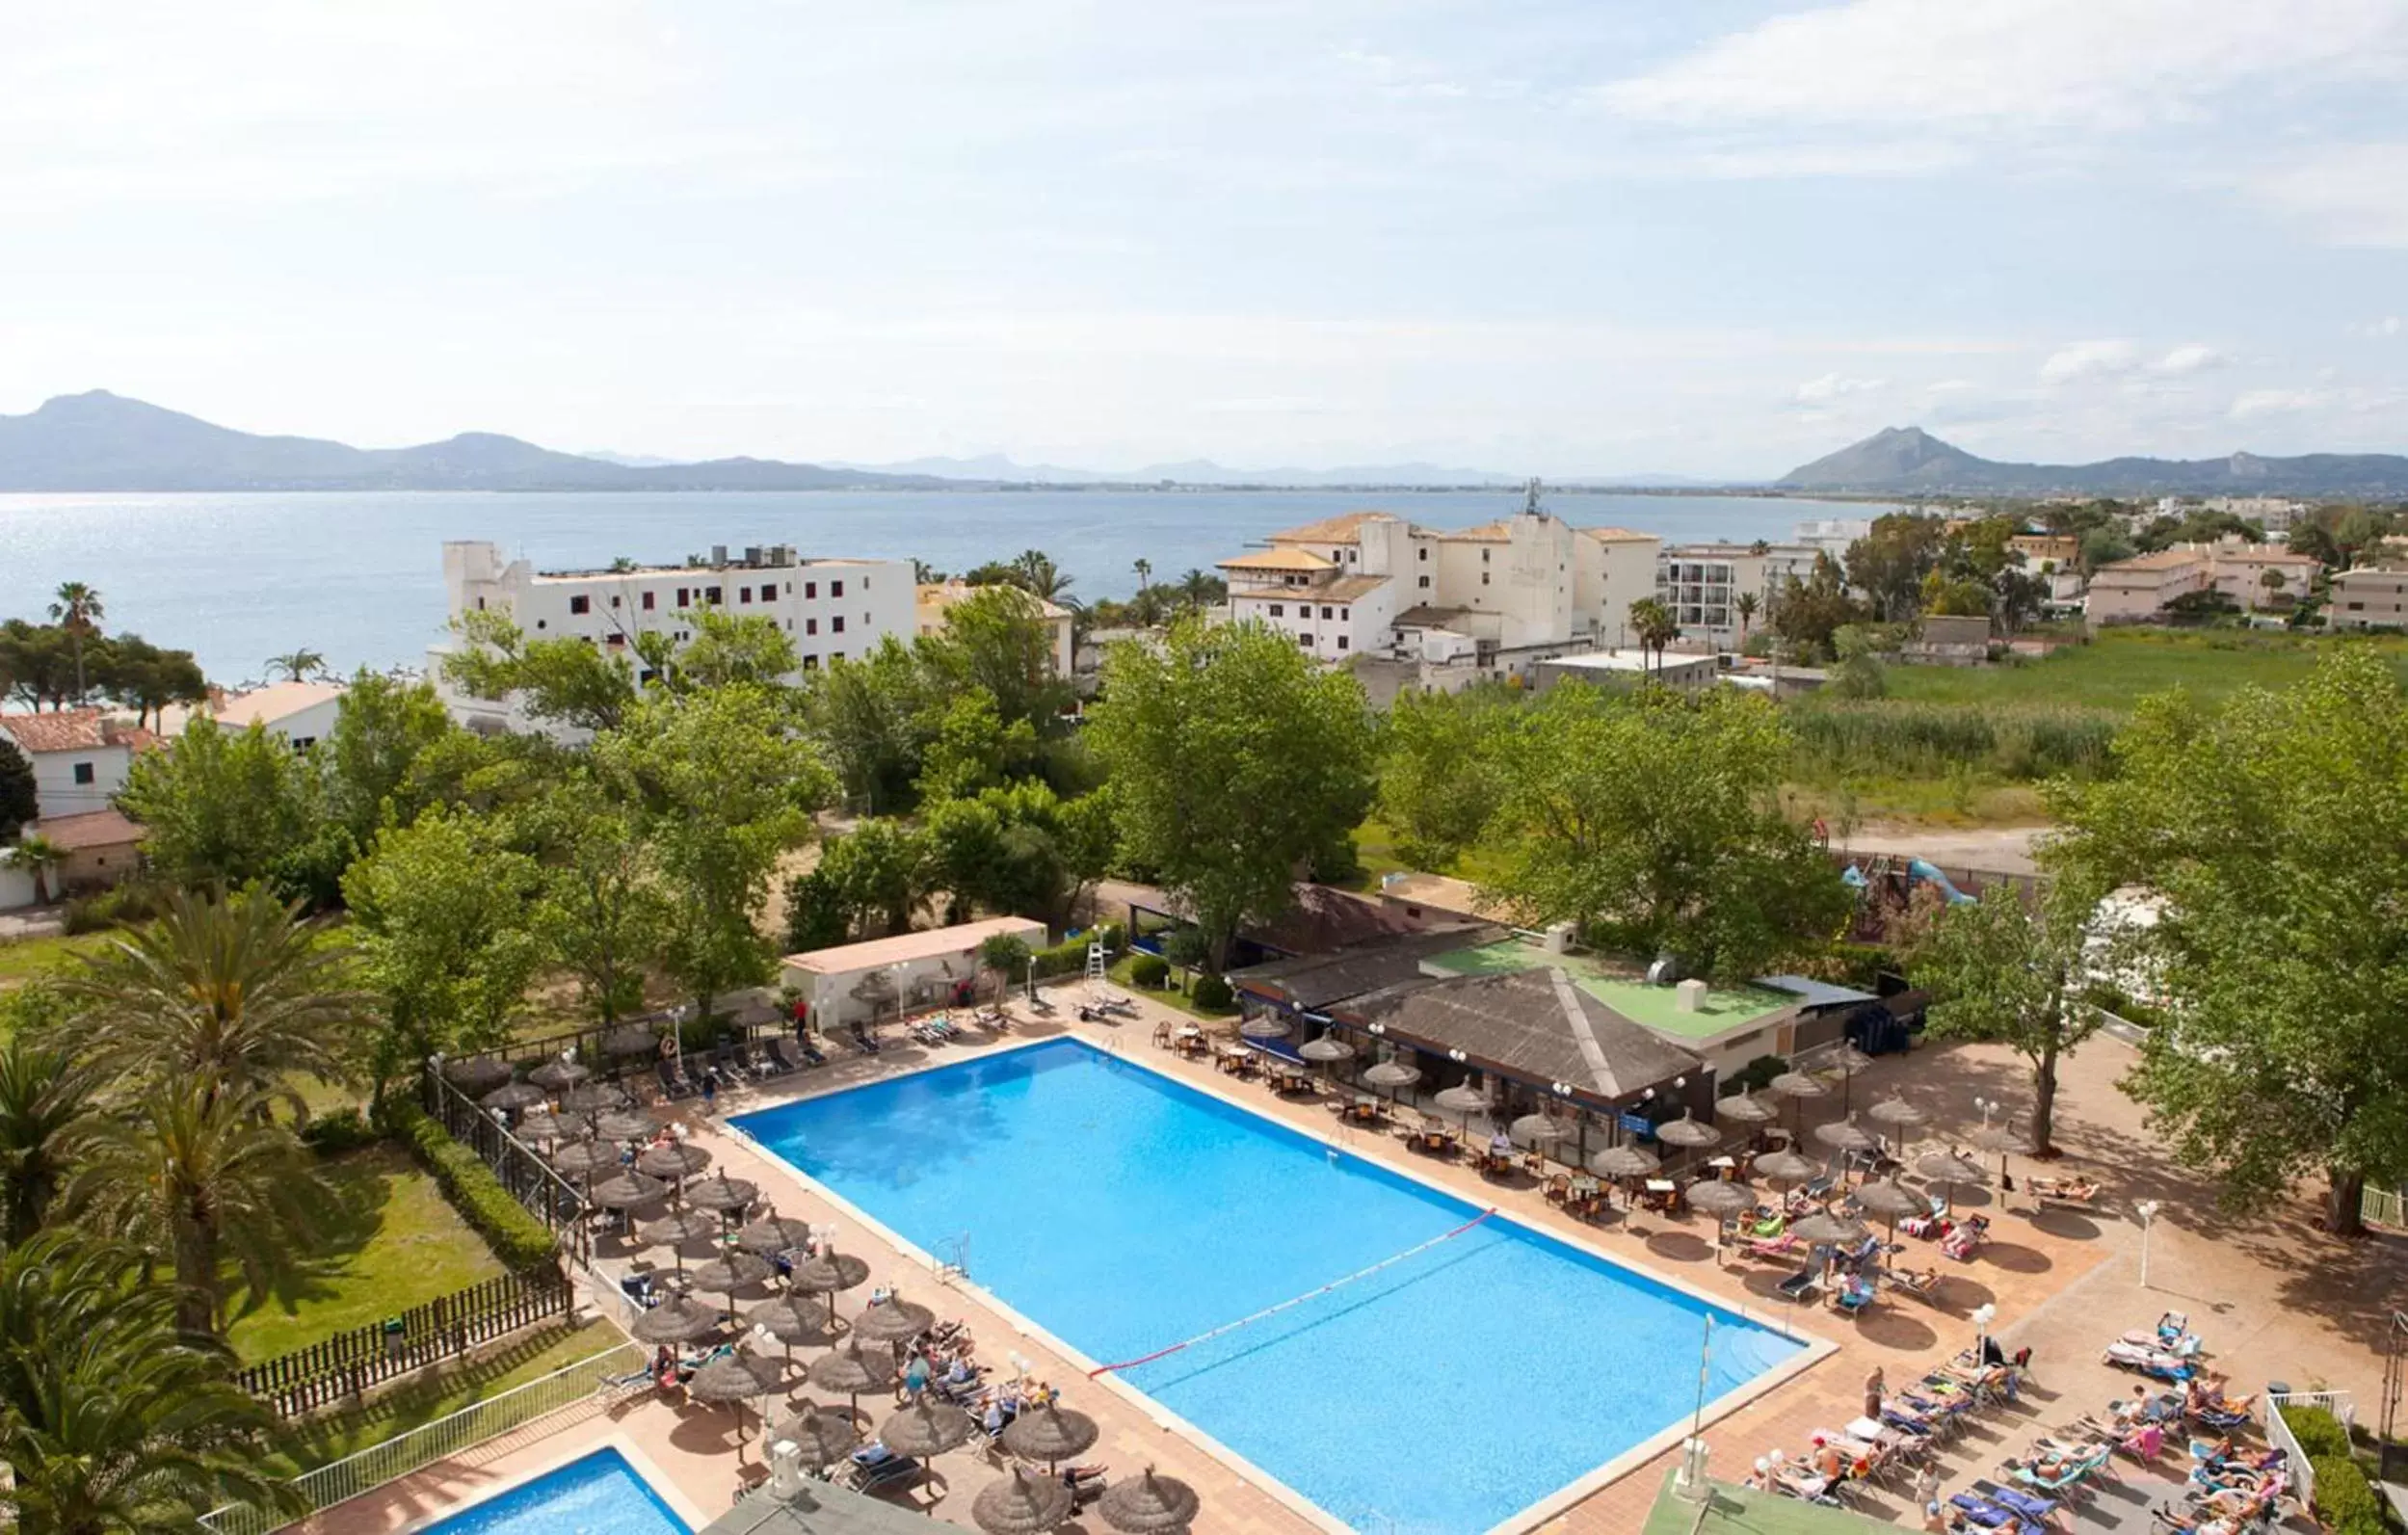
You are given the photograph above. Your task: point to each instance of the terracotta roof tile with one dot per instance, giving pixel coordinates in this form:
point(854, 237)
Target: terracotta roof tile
point(94, 829)
point(64, 730)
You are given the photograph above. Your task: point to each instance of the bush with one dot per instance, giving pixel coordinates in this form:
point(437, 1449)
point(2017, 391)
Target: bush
point(117, 905)
point(2345, 1504)
point(518, 1238)
point(2318, 1432)
point(344, 1130)
point(1754, 1076)
point(1212, 994)
point(1149, 971)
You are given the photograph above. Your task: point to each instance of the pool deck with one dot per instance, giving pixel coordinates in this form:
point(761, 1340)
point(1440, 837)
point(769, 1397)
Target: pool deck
point(2275, 1300)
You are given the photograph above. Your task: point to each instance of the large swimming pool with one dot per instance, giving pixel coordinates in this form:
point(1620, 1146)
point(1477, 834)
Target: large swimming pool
point(598, 1495)
point(1124, 1211)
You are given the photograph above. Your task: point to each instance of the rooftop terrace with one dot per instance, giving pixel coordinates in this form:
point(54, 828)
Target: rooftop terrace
point(1657, 1007)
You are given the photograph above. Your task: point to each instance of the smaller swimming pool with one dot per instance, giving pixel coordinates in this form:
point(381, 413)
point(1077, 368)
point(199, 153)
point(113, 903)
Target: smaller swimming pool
point(598, 1495)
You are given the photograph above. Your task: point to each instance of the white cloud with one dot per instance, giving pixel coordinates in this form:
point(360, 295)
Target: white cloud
point(2348, 194)
point(1832, 385)
point(2080, 65)
point(2382, 330)
point(2089, 360)
point(2279, 401)
point(2192, 357)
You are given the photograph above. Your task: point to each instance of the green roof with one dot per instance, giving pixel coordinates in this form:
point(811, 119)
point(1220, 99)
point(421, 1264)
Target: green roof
point(1739, 1511)
point(1726, 1007)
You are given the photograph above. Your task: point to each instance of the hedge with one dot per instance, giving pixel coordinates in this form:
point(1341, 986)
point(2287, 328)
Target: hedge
point(1212, 992)
point(2318, 1432)
point(1070, 956)
point(518, 1238)
point(2345, 1504)
point(1149, 971)
point(333, 1134)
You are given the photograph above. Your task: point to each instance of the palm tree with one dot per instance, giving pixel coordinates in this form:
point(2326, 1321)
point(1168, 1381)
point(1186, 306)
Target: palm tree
point(110, 1424)
point(44, 1096)
point(40, 855)
point(1035, 571)
point(196, 1178)
point(235, 991)
point(1200, 588)
point(78, 611)
point(1654, 623)
point(1746, 604)
point(1145, 573)
point(300, 666)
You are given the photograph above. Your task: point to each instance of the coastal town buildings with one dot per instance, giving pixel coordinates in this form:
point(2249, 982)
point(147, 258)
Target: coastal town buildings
point(2371, 596)
point(1702, 583)
point(2140, 588)
point(933, 600)
point(81, 757)
point(300, 712)
point(831, 608)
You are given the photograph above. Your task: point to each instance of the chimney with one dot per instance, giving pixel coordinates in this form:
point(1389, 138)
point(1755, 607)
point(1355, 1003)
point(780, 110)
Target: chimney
point(1690, 997)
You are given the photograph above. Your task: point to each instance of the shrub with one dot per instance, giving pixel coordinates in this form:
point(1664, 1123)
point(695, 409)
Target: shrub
point(1149, 971)
point(117, 905)
point(2318, 1432)
point(1755, 1074)
point(518, 1238)
point(344, 1130)
point(2345, 1504)
point(1212, 993)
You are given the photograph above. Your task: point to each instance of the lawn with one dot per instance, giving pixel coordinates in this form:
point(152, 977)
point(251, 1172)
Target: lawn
point(1178, 1001)
point(24, 960)
point(390, 1242)
point(444, 1391)
point(2121, 667)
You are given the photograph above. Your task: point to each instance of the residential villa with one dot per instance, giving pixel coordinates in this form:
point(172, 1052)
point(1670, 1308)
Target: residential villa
point(2371, 596)
point(81, 757)
point(2140, 588)
point(934, 600)
point(830, 608)
point(1371, 589)
point(2240, 572)
point(300, 712)
point(2036, 549)
point(1702, 583)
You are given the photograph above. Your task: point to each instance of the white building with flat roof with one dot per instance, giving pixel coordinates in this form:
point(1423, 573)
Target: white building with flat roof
point(831, 609)
point(1702, 583)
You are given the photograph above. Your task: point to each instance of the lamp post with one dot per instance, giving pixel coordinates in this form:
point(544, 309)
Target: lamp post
point(1988, 1107)
point(2147, 1210)
point(1983, 1316)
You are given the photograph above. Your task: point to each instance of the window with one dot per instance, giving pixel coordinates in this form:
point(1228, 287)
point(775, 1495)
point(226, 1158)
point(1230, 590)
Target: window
point(648, 601)
point(683, 597)
point(302, 743)
point(1325, 611)
point(542, 623)
point(865, 585)
point(1279, 610)
point(1341, 613)
point(1484, 578)
point(617, 638)
point(578, 604)
point(480, 605)
point(1484, 555)
point(744, 594)
point(2353, 607)
point(1304, 639)
point(1351, 555)
point(84, 773)
point(810, 662)
point(811, 589)
point(835, 588)
point(614, 599)
point(1341, 641)
point(1421, 553)
point(836, 626)
point(836, 656)
point(866, 620)
point(810, 626)
point(711, 595)
point(1425, 583)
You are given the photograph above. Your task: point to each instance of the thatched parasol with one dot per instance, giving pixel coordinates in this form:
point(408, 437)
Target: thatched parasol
point(631, 1039)
point(1266, 1026)
point(828, 1273)
point(1464, 1099)
point(1896, 1116)
point(1840, 1230)
point(790, 1319)
point(625, 1124)
point(849, 1370)
point(1948, 1170)
point(1784, 1167)
point(734, 1379)
point(1543, 1130)
point(722, 1193)
point(1745, 1108)
point(1149, 1505)
point(626, 1191)
point(1326, 1049)
point(592, 1097)
point(673, 1161)
point(2003, 1141)
point(513, 1095)
point(926, 1427)
point(1846, 1135)
point(675, 1320)
point(1050, 1433)
point(1687, 1130)
point(1391, 1075)
point(1847, 1060)
point(1022, 1504)
point(585, 1159)
point(677, 1228)
point(541, 1126)
point(558, 1076)
point(1713, 1197)
point(729, 1273)
point(894, 1320)
point(772, 1235)
point(818, 1436)
point(1890, 1202)
point(478, 1073)
point(1623, 1161)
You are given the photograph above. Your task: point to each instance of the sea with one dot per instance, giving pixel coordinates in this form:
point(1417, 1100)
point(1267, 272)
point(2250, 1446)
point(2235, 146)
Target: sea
point(359, 577)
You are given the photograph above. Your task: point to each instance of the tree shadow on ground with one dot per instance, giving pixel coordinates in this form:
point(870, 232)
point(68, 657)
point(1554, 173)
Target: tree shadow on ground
point(361, 1186)
point(419, 1400)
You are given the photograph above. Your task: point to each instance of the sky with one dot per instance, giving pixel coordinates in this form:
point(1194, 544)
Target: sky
point(1590, 237)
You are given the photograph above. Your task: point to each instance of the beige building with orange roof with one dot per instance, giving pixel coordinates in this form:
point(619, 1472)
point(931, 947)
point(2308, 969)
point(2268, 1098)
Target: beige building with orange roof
point(2136, 590)
point(937, 599)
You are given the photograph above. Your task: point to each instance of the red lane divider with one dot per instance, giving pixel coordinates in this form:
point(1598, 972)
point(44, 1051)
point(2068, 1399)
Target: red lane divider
point(1293, 1301)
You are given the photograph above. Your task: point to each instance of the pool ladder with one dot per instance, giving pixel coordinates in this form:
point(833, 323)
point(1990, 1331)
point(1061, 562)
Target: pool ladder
point(954, 1260)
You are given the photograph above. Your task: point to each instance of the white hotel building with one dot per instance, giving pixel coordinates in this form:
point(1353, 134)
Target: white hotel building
point(1370, 587)
point(830, 608)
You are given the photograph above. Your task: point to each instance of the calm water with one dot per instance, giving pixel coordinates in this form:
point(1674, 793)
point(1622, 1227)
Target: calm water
point(359, 577)
point(1124, 1213)
point(599, 1495)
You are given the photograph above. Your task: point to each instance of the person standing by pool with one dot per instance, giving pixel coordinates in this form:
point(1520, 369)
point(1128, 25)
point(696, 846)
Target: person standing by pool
point(1874, 1387)
point(916, 1377)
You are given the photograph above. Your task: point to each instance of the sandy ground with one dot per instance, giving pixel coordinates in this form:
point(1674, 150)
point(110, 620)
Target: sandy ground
point(2007, 849)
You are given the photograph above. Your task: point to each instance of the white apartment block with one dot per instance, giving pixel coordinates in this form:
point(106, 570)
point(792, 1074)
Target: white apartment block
point(1831, 535)
point(1702, 583)
point(2370, 597)
point(831, 609)
point(1482, 601)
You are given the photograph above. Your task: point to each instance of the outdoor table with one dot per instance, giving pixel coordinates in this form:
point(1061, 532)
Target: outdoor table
point(1363, 1111)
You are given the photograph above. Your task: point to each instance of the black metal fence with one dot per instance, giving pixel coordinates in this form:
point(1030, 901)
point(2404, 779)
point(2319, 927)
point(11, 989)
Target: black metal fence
point(517, 1166)
point(342, 1368)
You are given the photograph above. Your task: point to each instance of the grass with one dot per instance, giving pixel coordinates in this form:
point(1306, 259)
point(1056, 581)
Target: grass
point(28, 958)
point(2120, 667)
point(440, 1392)
point(391, 1242)
point(1178, 1001)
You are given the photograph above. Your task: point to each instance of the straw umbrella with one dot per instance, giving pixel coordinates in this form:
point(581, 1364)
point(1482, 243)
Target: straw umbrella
point(1747, 1109)
point(592, 1097)
point(631, 1039)
point(1840, 1230)
point(1392, 1075)
point(2003, 1141)
point(894, 1320)
point(926, 1427)
point(1149, 1505)
point(790, 1319)
point(625, 1124)
point(675, 1320)
point(1265, 1026)
point(1796, 1087)
point(477, 1073)
point(1688, 1131)
point(819, 1437)
point(582, 1159)
point(719, 1192)
point(558, 1076)
point(1948, 1169)
point(1623, 1161)
point(733, 1379)
point(1784, 1167)
point(1050, 1433)
point(1541, 1129)
point(1326, 1051)
point(849, 1370)
point(1893, 1203)
point(1898, 1116)
point(675, 1229)
point(540, 1126)
point(626, 1191)
point(728, 1273)
point(828, 1273)
point(1022, 1504)
point(773, 1235)
point(674, 1162)
point(1720, 1200)
point(1846, 1136)
point(513, 1094)
point(1464, 1099)
point(1847, 1060)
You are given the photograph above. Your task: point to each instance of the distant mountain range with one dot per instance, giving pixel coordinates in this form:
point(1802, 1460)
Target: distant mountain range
point(1907, 460)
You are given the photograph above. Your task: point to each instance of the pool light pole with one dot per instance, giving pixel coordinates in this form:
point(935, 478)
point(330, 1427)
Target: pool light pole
point(1983, 1316)
point(2147, 1210)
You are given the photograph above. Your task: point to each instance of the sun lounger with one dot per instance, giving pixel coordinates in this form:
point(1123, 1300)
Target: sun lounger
point(2147, 1359)
point(874, 1466)
point(1923, 1287)
point(1994, 1516)
point(2079, 1193)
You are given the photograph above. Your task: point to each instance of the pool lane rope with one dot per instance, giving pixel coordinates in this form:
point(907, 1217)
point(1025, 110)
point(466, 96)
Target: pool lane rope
point(1295, 1301)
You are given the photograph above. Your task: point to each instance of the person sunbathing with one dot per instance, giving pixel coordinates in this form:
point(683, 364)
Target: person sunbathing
point(2204, 1393)
point(1827, 1461)
point(2064, 1188)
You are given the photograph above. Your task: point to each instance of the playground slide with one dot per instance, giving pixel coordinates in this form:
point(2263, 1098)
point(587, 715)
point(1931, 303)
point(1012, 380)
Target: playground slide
point(1923, 870)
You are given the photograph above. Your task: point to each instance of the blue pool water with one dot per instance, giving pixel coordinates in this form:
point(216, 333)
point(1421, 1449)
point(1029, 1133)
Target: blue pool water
point(599, 1495)
point(1124, 1211)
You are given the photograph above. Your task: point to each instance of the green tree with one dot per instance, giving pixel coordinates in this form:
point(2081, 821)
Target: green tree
point(1746, 603)
point(297, 666)
point(18, 802)
point(203, 1182)
point(109, 1424)
point(563, 680)
point(137, 674)
point(974, 750)
point(225, 807)
point(1199, 590)
point(1233, 758)
point(1440, 774)
point(1858, 674)
point(2102, 546)
point(1812, 611)
point(77, 610)
point(1652, 821)
point(1004, 955)
point(1038, 576)
point(1889, 561)
point(443, 912)
point(599, 908)
point(37, 663)
point(40, 855)
point(877, 874)
point(1655, 627)
point(722, 791)
point(874, 718)
point(998, 640)
point(727, 648)
point(2274, 830)
point(235, 991)
point(384, 728)
point(45, 1107)
point(2012, 973)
